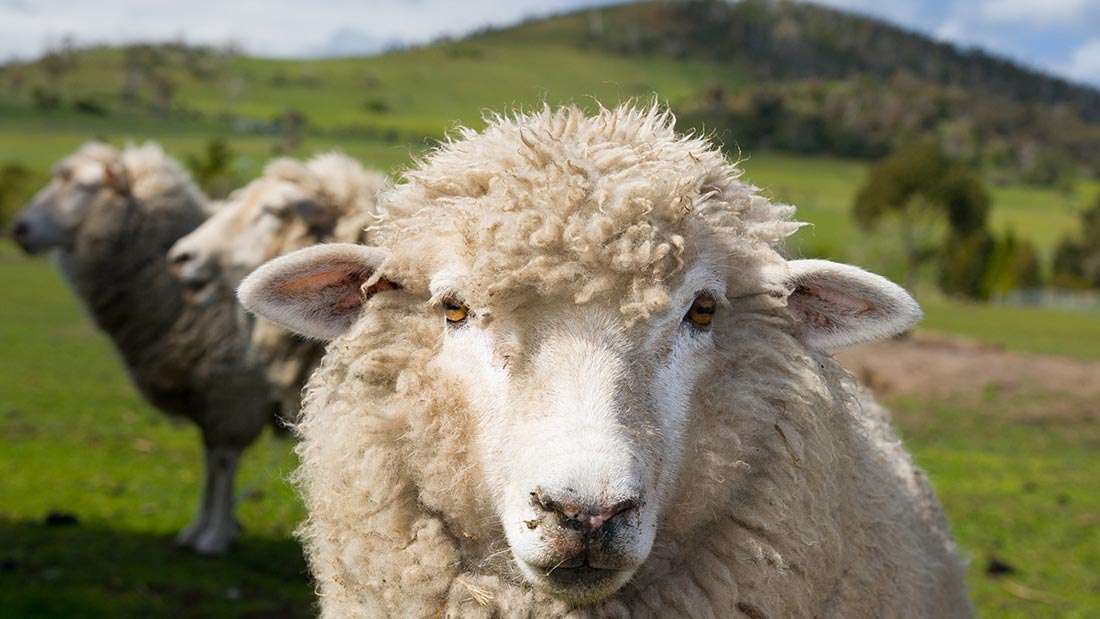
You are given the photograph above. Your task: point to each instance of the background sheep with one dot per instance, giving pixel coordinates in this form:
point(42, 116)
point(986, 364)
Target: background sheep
point(108, 217)
point(293, 205)
point(575, 378)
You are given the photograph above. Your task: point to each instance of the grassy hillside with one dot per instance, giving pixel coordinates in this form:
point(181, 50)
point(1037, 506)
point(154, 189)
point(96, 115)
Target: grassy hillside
point(387, 108)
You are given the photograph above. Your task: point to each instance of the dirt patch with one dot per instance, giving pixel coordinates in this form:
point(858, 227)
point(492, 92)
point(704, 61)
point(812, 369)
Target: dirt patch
point(932, 366)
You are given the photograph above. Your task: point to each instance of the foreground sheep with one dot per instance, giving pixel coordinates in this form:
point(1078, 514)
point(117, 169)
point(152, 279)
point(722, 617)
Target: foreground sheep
point(291, 206)
point(574, 378)
point(109, 217)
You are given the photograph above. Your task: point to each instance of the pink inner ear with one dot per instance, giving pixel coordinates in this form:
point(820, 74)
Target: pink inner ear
point(317, 281)
point(814, 304)
point(843, 302)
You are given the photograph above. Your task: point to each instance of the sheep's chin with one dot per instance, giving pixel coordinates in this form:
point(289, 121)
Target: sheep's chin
point(591, 588)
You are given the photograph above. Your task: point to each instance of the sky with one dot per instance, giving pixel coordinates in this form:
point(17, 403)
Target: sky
point(1061, 37)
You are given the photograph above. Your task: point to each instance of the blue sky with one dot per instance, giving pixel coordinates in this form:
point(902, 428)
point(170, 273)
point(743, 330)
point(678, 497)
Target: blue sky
point(1058, 36)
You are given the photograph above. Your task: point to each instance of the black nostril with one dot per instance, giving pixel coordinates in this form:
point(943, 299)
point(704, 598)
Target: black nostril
point(20, 230)
point(181, 257)
point(586, 517)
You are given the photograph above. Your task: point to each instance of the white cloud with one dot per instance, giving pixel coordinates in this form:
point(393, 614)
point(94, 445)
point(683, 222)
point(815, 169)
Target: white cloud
point(267, 27)
point(1085, 62)
point(1050, 12)
point(900, 12)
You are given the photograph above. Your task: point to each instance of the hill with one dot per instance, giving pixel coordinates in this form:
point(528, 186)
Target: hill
point(761, 76)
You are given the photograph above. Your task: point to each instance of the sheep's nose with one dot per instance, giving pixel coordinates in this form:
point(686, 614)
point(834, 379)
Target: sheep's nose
point(178, 258)
point(573, 514)
point(21, 233)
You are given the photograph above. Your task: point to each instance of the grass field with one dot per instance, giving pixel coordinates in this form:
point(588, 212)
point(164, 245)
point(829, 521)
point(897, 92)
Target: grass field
point(78, 442)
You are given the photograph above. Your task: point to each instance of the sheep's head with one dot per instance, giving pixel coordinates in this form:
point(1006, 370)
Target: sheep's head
point(284, 209)
point(90, 180)
point(587, 295)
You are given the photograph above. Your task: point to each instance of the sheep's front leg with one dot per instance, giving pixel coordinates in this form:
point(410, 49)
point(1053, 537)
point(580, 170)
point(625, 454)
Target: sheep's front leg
point(191, 533)
point(221, 524)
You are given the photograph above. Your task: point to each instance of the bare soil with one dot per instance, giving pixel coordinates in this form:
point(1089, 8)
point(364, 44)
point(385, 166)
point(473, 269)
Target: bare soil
point(933, 366)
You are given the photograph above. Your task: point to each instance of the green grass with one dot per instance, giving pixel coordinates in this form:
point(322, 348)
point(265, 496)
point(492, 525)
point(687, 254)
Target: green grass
point(1024, 329)
point(77, 440)
point(1022, 491)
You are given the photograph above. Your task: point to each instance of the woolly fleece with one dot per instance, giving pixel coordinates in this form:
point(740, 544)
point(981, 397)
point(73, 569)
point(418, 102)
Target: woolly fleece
point(799, 500)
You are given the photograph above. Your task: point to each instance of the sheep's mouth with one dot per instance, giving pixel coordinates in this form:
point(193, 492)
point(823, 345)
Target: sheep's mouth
point(578, 582)
point(581, 576)
point(198, 291)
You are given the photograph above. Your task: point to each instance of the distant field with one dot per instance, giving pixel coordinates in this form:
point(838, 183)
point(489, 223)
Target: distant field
point(385, 108)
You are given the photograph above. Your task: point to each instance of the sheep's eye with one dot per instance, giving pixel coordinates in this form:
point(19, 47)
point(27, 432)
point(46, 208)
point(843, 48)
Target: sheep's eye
point(702, 310)
point(455, 312)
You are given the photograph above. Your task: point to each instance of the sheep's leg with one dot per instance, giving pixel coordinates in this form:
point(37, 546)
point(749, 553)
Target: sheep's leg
point(201, 521)
point(222, 525)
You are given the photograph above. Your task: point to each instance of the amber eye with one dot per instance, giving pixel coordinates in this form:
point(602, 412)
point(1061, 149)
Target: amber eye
point(455, 312)
point(701, 311)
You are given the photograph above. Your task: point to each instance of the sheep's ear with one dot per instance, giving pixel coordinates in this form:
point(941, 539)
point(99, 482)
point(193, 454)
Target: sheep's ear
point(317, 291)
point(838, 305)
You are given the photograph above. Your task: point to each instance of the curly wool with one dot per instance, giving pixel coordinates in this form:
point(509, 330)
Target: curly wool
point(523, 191)
point(799, 500)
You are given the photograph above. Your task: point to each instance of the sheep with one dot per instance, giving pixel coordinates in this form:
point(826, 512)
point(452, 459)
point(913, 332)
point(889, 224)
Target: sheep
point(292, 205)
point(108, 217)
point(573, 376)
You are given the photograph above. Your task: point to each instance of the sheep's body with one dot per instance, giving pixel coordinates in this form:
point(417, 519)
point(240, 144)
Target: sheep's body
point(267, 219)
point(784, 492)
point(188, 362)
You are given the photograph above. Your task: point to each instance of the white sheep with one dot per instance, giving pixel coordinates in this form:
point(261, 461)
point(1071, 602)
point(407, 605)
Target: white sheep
point(292, 205)
point(575, 378)
point(108, 217)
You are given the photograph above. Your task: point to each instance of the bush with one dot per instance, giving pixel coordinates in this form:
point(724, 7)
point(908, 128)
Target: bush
point(965, 269)
point(15, 188)
point(90, 107)
point(213, 169)
point(44, 99)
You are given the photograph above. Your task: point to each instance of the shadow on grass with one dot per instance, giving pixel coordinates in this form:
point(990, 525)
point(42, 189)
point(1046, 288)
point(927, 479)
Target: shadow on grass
point(75, 570)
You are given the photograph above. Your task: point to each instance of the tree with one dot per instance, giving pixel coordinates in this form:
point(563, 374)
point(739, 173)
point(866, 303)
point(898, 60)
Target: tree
point(1077, 260)
point(922, 187)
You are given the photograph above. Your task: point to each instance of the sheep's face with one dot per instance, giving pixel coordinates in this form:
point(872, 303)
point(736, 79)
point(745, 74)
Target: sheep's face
point(580, 421)
point(56, 214)
point(264, 219)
